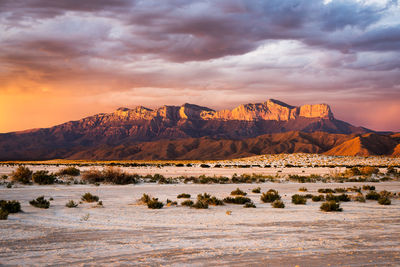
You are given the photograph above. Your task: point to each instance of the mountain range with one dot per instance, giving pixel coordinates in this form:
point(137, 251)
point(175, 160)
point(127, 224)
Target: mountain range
point(194, 132)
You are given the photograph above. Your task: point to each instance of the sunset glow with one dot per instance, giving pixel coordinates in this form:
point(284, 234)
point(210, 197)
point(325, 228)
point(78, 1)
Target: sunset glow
point(66, 59)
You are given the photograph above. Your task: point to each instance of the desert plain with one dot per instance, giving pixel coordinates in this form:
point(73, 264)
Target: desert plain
point(124, 232)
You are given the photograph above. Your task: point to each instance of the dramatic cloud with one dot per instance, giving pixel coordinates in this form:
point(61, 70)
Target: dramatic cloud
point(110, 53)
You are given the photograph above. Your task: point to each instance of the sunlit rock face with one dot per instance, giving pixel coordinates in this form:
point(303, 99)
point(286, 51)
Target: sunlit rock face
point(123, 127)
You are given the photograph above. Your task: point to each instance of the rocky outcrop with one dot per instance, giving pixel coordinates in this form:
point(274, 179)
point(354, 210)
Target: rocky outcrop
point(141, 124)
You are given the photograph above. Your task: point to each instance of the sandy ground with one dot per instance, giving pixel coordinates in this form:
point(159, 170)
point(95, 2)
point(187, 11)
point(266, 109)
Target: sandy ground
point(121, 233)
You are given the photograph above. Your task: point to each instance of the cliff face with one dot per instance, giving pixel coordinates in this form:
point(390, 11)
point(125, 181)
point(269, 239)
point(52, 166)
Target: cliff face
point(142, 124)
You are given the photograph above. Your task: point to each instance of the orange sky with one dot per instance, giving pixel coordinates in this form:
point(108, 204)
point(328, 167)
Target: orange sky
point(63, 60)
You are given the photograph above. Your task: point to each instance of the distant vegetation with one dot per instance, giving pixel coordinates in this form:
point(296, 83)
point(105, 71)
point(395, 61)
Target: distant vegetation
point(40, 202)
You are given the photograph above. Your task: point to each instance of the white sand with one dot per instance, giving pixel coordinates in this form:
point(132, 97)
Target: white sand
point(124, 233)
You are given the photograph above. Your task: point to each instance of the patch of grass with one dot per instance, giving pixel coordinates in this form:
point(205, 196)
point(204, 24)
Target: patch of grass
point(71, 204)
point(238, 192)
point(43, 178)
point(299, 200)
point(278, 204)
point(88, 197)
point(187, 203)
point(22, 175)
point(270, 196)
point(40, 202)
point(330, 206)
point(154, 204)
point(249, 205)
point(237, 200)
point(11, 206)
point(183, 195)
point(256, 190)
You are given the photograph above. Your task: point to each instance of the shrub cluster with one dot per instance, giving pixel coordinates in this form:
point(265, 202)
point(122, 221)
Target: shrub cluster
point(303, 189)
point(338, 198)
point(43, 178)
point(326, 190)
point(183, 195)
point(88, 197)
point(22, 175)
point(256, 190)
point(278, 204)
point(109, 175)
point(372, 195)
point(238, 192)
point(270, 196)
point(237, 200)
point(71, 171)
point(331, 206)
point(71, 204)
point(3, 214)
point(210, 200)
point(249, 205)
point(368, 187)
point(299, 199)
point(154, 204)
point(11, 206)
point(384, 201)
point(188, 203)
point(318, 198)
point(40, 202)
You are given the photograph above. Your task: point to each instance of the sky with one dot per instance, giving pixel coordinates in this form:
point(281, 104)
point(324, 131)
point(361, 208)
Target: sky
point(67, 59)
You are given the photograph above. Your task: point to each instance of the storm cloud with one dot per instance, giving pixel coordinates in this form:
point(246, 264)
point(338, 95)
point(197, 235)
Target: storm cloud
point(298, 51)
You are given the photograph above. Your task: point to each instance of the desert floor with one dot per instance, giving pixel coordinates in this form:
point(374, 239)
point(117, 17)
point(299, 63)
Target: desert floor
point(123, 232)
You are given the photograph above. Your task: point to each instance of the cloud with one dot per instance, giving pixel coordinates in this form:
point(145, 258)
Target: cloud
point(296, 50)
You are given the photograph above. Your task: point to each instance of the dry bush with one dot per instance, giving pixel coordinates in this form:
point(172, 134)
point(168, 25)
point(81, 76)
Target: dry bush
point(22, 175)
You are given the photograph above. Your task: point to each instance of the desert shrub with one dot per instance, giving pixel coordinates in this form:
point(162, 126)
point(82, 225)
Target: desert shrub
point(117, 176)
point(171, 203)
point(22, 175)
point(354, 189)
point(385, 193)
point(343, 198)
point(368, 170)
point(299, 200)
point(88, 197)
point(3, 214)
point(145, 199)
point(278, 204)
point(238, 192)
point(318, 198)
point(204, 165)
point(391, 171)
point(359, 198)
point(43, 177)
point(71, 171)
point(188, 203)
point(183, 195)
point(331, 206)
point(249, 205)
point(4, 177)
point(237, 200)
point(326, 190)
point(354, 171)
point(200, 204)
point(270, 196)
point(340, 190)
point(372, 195)
point(71, 204)
point(256, 190)
point(11, 206)
point(40, 202)
point(368, 187)
point(384, 201)
point(154, 204)
point(210, 200)
point(303, 189)
point(92, 176)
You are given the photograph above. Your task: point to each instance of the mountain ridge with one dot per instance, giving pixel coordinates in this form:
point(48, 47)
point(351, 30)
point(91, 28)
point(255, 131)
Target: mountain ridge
point(129, 127)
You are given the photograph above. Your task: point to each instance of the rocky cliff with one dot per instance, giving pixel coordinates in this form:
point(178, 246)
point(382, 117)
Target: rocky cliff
point(141, 124)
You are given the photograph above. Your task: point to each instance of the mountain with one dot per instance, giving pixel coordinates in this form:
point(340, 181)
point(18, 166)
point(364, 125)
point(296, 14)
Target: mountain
point(140, 127)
